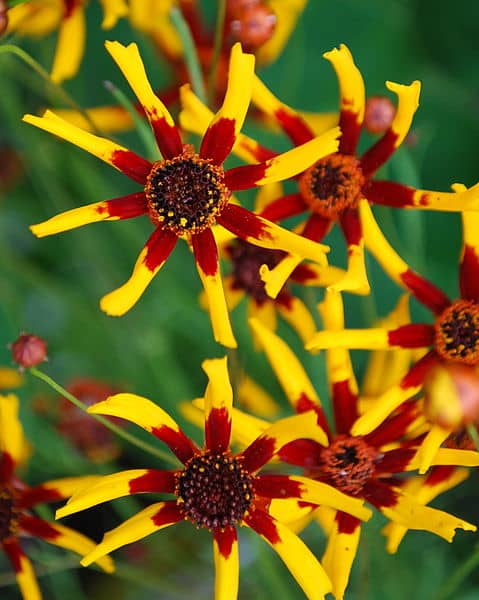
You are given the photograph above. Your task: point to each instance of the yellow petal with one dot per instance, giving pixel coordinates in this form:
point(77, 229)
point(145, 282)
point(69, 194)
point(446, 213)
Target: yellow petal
point(10, 378)
point(12, 440)
point(112, 11)
point(136, 528)
point(35, 18)
point(24, 572)
point(67, 486)
point(256, 399)
point(351, 83)
point(299, 317)
point(408, 102)
point(226, 567)
point(101, 489)
point(365, 339)
point(70, 45)
point(288, 369)
point(355, 279)
point(430, 445)
point(107, 119)
point(339, 557)
point(79, 543)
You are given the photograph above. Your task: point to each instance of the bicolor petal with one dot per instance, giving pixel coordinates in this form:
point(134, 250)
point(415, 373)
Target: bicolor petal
point(153, 256)
point(70, 44)
point(12, 441)
point(24, 574)
point(148, 416)
point(218, 404)
point(226, 559)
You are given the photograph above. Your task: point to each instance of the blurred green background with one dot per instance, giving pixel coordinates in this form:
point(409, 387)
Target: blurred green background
point(51, 287)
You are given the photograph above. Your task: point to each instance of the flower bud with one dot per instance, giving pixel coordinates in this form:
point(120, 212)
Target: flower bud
point(379, 114)
point(29, 350)
point(451, 395)
point(253, 25)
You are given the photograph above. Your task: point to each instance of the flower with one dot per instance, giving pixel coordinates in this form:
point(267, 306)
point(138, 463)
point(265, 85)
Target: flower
point(340, 186)
point(39, 17)
point(215, 489)
point(452, 339)
point(369, 467)
point(17, 500)
point(186, 193)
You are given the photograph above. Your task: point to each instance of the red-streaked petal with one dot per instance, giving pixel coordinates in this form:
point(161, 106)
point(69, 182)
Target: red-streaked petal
point(469, 269)
point(408, 101)
point(54, 490)
point(149, 520)
point(284, 207)
point(425, 291)
point(304, 453)
point(395, 427)
point(395, 461)
point(129, 61)
point(301, 563)
point(353, 97)
point(218, 404)
point(206, 257)
point(226, 559)
point(124, 160)
point(12, 440)
point(24, 573)
point(125, 207)
point(413, 335)
point(7, 467)
point(304, 425)
point(153, 256)
point(151, 417)
point(345, 403)
point(221, 134)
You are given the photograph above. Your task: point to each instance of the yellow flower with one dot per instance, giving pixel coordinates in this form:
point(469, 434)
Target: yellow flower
point(186, 192)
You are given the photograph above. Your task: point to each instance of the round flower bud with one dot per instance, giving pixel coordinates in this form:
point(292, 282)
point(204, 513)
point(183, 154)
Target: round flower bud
point(29, 350)
point(451, 395)
point(379, 114)
point(253, 25)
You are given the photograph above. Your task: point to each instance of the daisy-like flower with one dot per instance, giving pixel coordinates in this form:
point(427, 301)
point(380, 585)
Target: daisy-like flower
point(37, 18)
point(214, 488)
point(17, 500)
point(336, 186)
point(186, 193)
point(453, 338)
point(370, 467)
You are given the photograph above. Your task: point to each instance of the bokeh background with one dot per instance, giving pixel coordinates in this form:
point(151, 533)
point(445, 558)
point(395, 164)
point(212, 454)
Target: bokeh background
point(51, 287)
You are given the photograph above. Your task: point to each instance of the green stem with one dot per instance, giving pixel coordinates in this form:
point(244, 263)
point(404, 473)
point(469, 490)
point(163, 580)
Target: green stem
point(142, 128)
point(191, 56)
point(220, 24)
point(40, 71)
point(448, 589)
point(473, 434)
point(104, 421)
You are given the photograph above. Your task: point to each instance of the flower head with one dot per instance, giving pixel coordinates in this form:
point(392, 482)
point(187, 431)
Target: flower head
point(369, 466)
point(186, 192)
point(17, 502)
point(214, 488)
point(452, 338)
point(337, 187)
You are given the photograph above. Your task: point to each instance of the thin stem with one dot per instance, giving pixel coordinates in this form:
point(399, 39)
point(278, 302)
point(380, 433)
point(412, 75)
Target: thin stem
point(142, 128)
point(40, 71)
point(220, 25)
point(473, 434)
point(191, 56)
point(449, 588)
point(104, 421)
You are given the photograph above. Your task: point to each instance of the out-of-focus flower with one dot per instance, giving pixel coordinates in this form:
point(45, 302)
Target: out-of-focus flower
point(453, 338)
point(88, 435)
point(9, 378)
point(340, 187)
point(370, 467)
point(29, 350)
point(186, 193)
point(37, 18)
point(17, 502)
point(215, 489)
point(10, 168)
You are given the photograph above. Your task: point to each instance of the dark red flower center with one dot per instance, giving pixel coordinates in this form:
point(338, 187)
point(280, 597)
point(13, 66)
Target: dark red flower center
point(8, 513)
point(332, 185)
point(186, 193)
point(347, 464)
point(247, 260)
point(457, 332)
point(214, 490)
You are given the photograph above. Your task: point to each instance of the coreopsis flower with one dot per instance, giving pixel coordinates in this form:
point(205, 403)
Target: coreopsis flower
point(336, 187)
point(186, 193)
point(214, 488)
point(369, 466)
point(453, 338)
point(17, 502)
point(37, 18)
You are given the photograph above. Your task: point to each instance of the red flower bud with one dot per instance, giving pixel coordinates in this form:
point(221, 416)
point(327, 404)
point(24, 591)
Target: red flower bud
point(29, 350)
point(252, 25)
point(379, 114)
